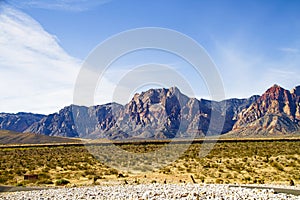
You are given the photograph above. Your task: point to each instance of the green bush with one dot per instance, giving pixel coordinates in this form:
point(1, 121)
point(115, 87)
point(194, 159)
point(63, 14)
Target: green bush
point(20, 184)
point(62, 182)
point(3, 179)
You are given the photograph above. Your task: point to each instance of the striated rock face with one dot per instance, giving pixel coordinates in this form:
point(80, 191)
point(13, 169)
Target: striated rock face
point(156, 113)
point(296, 94)
point(57, 124)
point(275, 112)
point(75, 121)
point(159, 113)
point(234, 107)
point(167, 113)
point(18, 122)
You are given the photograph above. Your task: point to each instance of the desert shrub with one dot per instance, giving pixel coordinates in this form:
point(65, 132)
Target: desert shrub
point(62, 182)
point(95, 178)
point(44, 176)
point(229, 176)
point(89, 172)
point(224, 159)
point(261, 181)
point(221, 170)
point(219, 181)
point(20, 184)
point(179, 168)
point(20, 172)
point(120, 175)
point(46, 181)
point(166, 170)
point(276, 165)
point(111, 172)
point(3, 179)
point(46, 169)
point(202, 179)
point(189, 170)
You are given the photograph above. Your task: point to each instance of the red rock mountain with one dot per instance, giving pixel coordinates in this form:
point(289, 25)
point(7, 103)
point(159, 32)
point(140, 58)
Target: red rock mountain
point(167, 113)
point(277, 111)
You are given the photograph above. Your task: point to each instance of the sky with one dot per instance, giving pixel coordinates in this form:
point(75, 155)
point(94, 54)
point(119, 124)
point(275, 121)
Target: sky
point(43, 45)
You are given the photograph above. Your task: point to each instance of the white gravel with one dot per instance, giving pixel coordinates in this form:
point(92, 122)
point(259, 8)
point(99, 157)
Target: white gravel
point(151, 191)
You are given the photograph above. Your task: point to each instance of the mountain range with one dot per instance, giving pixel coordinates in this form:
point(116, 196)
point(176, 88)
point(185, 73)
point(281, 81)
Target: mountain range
point(167, 113)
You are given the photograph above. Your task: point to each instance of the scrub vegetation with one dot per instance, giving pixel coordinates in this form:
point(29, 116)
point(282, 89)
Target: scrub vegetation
point(276, 162)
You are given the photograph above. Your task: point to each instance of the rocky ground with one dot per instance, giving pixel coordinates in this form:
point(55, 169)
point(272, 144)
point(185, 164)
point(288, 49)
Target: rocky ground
point(151, 191)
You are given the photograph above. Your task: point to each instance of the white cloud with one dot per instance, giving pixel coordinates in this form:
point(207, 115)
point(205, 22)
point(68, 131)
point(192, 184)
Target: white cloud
point(247, 71)
point(36, 74)
point(238, 70)
point(285, 70)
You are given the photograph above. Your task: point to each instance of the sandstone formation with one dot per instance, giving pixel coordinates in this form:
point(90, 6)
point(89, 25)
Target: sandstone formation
point(167, 113)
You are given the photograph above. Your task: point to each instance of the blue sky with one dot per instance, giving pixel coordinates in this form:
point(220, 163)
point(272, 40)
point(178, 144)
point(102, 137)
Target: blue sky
point(254, 44)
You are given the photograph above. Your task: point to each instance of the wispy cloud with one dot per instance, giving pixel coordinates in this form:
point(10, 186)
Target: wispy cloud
point(66, 5)
point(247, 71)
point(36, 74)
point(289, 50)
point(238, 69)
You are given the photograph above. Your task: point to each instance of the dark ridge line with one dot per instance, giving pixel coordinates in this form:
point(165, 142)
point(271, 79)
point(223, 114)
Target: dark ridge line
point(145, 142)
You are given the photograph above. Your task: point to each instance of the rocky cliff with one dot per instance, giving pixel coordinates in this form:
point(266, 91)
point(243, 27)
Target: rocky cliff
point(275, 112)
point(156, 114)
point(18, 122)
point(167, 113)
point(76, 121)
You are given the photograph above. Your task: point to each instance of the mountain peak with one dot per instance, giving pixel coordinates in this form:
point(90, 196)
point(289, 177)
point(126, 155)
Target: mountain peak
point(296, 90)
point(276, 110)
point(275, 92)
point(174, 89)
point(156, 95)
point(275, 88)
point(166, 113)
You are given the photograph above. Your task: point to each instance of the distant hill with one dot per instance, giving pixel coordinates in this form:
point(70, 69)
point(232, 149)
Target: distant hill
point(18, 122)
point(167, 113)
point(10, 137)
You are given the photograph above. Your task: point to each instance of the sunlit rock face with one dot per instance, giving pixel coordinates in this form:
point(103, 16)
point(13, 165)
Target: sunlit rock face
point(275, 112)
point(167, 113)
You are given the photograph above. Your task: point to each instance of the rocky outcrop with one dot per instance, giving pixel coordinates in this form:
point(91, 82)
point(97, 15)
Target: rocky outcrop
point(76, 121)
point(156, 114)
point(18, 122)
point(161, 113)
point(275, 112)
point(167, 113)
point(296, 94)
point(233, 108)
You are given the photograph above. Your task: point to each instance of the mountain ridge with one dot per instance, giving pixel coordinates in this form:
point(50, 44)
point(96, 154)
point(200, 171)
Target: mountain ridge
point(275, 112)
point(167, 113)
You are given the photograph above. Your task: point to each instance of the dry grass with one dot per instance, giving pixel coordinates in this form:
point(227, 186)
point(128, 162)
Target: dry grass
point(234, 162)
